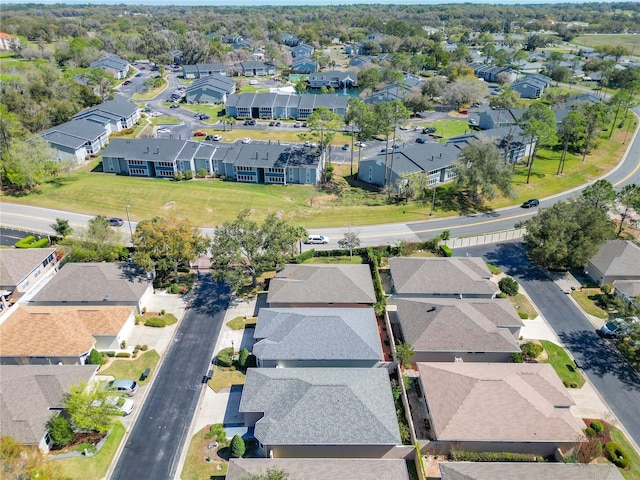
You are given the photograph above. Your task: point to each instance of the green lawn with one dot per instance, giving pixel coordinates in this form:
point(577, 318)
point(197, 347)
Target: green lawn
point(239, 323)
point(225, 378)
point(196, 466)
point(214, 111)
point(522, 304)
point(627, 41)
point(562, 364)
point(586, 298)
point(165, 120)
point(93, 468)
point(634, 465)
point(449, 128)
point(132, 369)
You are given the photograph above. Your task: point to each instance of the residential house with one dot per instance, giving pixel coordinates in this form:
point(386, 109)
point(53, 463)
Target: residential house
point(627, 289)
point(21, 269)
point(321, 469)
point(395, 91)
point(333, 79)
point(302, 50)
point(443, 277)
point(7, 42)
point(290, 40)
point(62, 335)
point(615, 260)
point(273, 105)
point(531, 86)
point(320, 412)
point(360, 61)
point(201, 70)
point(177, 56)
point(30, 395)
point(527, 471)
point(471, 330)
point(317, 337)
point(94, 284)
point(492, 119)
point(511, 141)
point(491, 73)
point(472, 407)
point(210, 89)
point(114, 115)
point(113, 65)
point(251, 69)
point(304, 64)
point(77, 139)
point(335, 286)
point(432, 159)
point(236, 41)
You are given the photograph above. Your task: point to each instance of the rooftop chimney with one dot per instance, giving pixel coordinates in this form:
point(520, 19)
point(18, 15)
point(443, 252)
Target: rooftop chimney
point(432, 308)
point(147, 151)
point(157, 150)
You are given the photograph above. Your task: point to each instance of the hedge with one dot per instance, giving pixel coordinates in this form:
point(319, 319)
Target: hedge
point(616, 455)
point(464, 456)
point(225, 357)
point(109, 354)
point(31, 242)
point(446, 251)
point(523, 315)
point(123, 355)
point(304, 256)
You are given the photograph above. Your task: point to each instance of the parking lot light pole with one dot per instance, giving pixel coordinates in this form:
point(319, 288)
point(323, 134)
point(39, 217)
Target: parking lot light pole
point(130, 229)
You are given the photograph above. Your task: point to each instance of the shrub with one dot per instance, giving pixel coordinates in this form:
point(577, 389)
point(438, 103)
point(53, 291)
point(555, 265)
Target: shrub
point(109, 354)
point(31, 242)
point(501, 295)
point(616, 455)
point(304, 256)
point(606, 289)
point(589, 432)
point(597, 427)
point(523, 315)
point(446, 251)
point(509, 286)
point(531, 350)
point(177, 176)
point(60, 430)
point(123, 355)
point(155, 322)
point(237, 446)
point(201, 173)
point(215, 431)
point(95, 358)
point(174, 288)
point(188, 175)
point(144, 347)
point(464, 456)
point(162, 312)
point(516, 358)
point(495, 270)
point(123, 344)
point(225, 357)
point(243, 357)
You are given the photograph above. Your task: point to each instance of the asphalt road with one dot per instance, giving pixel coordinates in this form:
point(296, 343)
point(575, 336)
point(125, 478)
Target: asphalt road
point(613, 378)
point(153, 448)
point(9, 236)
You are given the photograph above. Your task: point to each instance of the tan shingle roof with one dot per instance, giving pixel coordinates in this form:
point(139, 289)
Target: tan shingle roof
point(17, 263)
point(445, 276)
point(454, 325)
point(498, 402)
point(61, 331)
point(527, 471)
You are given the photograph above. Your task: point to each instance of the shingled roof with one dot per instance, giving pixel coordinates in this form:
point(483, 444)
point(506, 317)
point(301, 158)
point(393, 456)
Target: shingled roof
point(527, 471)
point(618, 258)
point(18, 263)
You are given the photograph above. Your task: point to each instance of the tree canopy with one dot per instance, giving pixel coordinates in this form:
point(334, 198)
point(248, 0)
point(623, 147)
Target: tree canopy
point(88, 409)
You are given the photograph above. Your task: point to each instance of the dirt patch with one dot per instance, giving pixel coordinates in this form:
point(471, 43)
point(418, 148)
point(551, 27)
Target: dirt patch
point(544, 356)
point(78, 439)
point(169, 205)
point(280, 213)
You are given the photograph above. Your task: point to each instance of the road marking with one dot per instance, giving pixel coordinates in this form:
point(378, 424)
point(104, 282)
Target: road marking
point(633, 172)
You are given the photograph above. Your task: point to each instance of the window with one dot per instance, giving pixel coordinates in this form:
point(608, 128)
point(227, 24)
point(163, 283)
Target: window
point(37, 273)
point(136, 162)
point(275, 170)
point(137, 171)
point(275, 179)
point(244, 169)
point(245, 178)
point(166, 164)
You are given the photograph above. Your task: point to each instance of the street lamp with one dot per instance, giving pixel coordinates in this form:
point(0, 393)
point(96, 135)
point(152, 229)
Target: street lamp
point(433, 201)
point(130, 229)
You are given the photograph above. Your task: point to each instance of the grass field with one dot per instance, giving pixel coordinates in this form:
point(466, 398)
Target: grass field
point(562, 364)
point(225, 379)
point(239, 323)
point(93, 468)
point(132, 369)
point(522, 304)
point(196, 467)
point(627, 41)
point(634, 465)
point(586, 298)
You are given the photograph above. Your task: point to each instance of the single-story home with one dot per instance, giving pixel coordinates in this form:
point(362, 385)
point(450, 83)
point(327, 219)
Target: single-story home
point(317, 337)
point(320, 412)
point(615, 260)
point(527, 471)
point(320, 469)
point(498, 407)
point(272, 105)
point(113, 65)
point(491, 73)
point(210, 89)
point(627, 289)
point(96, 284)
point(343, 286)
point(62, 335)
point(22, 268)
point(471, 330)
point(30, 395)
point(443, 277)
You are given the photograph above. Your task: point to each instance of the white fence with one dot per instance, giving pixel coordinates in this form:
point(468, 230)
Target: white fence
point(503, 236)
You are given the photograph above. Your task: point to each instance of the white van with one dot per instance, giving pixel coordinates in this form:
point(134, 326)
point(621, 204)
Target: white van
point(317, 239)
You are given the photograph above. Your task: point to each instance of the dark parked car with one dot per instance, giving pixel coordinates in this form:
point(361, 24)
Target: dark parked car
point(204, 117)
point(271, 124)
point(126, 82)
point(345, 146)
point(175, 105)
point(116, 222)
point(420, 140)
point(429, 130)
point(252, 122)
point(304, 124)
point(533, 202)
point(278, 124)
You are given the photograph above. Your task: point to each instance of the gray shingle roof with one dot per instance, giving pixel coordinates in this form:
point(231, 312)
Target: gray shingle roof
point(93, 282)
point(118, 106)
point(453, 325)
point(527, 471)
point(273, 155)
point(321, 406)
point(317, 334)
point(156, 149)
point(618, 258)
point(322, 284)
point(81, 129)
point(445, 276)
point(27, 392)
point(630, 288)
point(321, 468)
point(17, 263)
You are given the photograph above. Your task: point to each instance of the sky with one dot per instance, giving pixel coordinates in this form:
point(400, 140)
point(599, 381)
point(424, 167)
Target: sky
point(287, 2)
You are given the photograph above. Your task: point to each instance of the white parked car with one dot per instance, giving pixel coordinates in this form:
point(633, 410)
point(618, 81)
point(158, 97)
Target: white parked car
point(164, 130)
point(246, 140)
point(125, 405)
point(217, 138)
point(156, 114)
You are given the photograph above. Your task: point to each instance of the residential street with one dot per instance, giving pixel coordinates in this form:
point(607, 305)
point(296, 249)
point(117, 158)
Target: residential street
point(614, 379)
point(153, 448)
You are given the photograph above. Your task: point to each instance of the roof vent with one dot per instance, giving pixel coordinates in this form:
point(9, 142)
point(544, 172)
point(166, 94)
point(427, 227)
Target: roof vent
point(105, 298)
point(157, 150)
point(432, 308)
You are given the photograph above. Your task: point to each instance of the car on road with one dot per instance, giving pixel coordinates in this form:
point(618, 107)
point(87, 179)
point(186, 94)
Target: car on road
point(116, 222)
point(609, 330)
point(272, 124)
point(246, 140)
point(156, 114)
point(128, 387)
point(200, 134)
point(126, 82)
point(204, 117)
point(420, 140)
point(297, 125)
point(175, 105)
point(197, 114)
point(429, 130)
point(139, 74)
point(532, 202)
point(463, 112)
point(345, 146)
point(316, 240)
point(359, 144)
point(164, 130)
point(304, 124)
point(278, 124)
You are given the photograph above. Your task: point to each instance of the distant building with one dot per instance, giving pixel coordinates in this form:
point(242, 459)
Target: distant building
point(113, 65)
point(272, 105)
point(7, 42)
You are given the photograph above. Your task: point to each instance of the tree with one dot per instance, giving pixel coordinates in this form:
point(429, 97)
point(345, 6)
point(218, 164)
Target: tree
point(19, 462)
point(567, 234)
point(482, 171)
point(237, 447)
point(228, 120)
point(62, 228)
point(509, 286)
point(433, 87)
point(165, 244)
point(595, 118)
point(622, 100)
point(464, 91)
point(88, 409)
point(540, 125)
point(628, 199)
point(60, 430)
point(560, 74)
point(599, 195)
point(95, 358)
point(350, 241)
point(404, 354)
point(323, 125)
point(24, 165)
point(244, 248)
point(570, 133)
point(417, 103)
point(505, 99)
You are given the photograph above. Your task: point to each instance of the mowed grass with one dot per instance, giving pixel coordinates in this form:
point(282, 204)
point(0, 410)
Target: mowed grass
point(239, 323)
point(634, 458)
point(627, 41)
point(522, 304)
point(125, 369)
point(93, 468)
point(562, 364)
point(225, 379)
point(196, 466)
point(586, 298)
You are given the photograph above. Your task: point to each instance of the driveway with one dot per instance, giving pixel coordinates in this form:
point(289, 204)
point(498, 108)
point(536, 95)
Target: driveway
point(152, 450)
point(608, 371)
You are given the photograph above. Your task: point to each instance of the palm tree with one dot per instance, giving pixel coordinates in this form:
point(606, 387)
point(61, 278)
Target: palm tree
point(227, 119)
